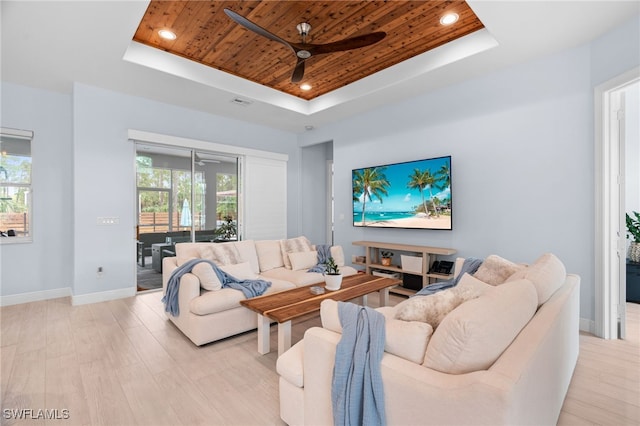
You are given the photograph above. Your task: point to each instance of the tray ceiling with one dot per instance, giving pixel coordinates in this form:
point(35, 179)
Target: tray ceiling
point(206, 35)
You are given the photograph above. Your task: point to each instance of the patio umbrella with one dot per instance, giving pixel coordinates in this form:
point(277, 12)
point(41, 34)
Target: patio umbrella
point(185, 216)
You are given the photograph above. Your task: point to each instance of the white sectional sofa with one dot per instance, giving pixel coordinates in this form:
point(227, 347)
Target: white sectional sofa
point(503, 358)
point(209, 313)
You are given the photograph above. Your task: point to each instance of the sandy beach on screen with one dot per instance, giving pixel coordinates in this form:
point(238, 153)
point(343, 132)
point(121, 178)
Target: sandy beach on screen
point(442, 222)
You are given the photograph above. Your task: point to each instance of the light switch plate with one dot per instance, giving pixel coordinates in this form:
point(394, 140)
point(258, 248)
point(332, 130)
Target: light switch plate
point(108, 221)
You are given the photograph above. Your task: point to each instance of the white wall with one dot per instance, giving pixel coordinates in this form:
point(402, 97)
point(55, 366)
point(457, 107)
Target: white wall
point(313, 212)
point(522, 148)
point(84, 169)
point(104, 173)
point(45, 265)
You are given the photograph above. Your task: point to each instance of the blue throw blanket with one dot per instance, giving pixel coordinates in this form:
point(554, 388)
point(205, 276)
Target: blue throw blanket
point(470, 265)
point(357, 391)
point(250, 288)
point(324, 253)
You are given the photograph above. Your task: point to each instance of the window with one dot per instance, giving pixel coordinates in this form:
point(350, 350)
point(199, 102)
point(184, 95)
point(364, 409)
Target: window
point(15, 185)
point(226, 195)
point(166, 201)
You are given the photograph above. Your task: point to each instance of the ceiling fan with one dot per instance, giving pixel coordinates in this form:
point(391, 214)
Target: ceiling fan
point(304, 50)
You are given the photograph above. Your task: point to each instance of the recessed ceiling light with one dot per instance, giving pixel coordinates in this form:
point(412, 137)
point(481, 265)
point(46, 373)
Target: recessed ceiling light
point(305, 86)
point(167, 34)
point(449, 18)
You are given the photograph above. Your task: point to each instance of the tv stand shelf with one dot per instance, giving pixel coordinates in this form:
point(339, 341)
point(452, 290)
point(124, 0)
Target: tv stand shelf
point(429, 255)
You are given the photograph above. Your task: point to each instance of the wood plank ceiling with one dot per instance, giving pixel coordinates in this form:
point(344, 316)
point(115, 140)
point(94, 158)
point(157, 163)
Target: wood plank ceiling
point(205, 34)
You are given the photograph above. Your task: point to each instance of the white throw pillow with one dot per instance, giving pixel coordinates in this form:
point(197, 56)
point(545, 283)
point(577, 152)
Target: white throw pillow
point(247, 251)
point(433, 308)
point(547, 274)
point(495, 270)
point(337, 254)
point(223, 254)
point(293, 245)
point(241, 271)
point(207, 276)
point(404, 339)
point(303, 260)
point(269, 255)
point(474, 335)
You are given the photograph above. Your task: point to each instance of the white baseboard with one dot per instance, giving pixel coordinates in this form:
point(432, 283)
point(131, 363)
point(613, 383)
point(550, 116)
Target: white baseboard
point(587, 325)
point(35, 296)
point(103, 296)
point(82, 299)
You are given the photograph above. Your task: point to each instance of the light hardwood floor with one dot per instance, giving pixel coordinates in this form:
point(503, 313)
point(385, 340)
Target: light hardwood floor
point(122, 363)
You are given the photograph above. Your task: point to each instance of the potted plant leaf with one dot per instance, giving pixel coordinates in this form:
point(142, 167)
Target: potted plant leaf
point(386, 257)
point(633, 229)
point(332, 275)
point(227, 230)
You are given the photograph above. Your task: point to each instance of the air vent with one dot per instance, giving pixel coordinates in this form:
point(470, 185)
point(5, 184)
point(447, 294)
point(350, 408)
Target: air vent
point(241, 102)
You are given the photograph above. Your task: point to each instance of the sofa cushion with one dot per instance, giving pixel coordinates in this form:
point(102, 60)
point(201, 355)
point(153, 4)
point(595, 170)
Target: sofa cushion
point(222, 254)
point(209, 279)
point(241, 271)
point(302, 277)
point(293, 245)
point(495, 270)
point(404, 339)
point(338, 255)
point(247, 251)
point(433, 308)
point(475, 334)
point(303, 260)
point(269, 254)
point(299, 278)
point(188, 251)
point(210, 302)
point(547, 274)
point(207, 276)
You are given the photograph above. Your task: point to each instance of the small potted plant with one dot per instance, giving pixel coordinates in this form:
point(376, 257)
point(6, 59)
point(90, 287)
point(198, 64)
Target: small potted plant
point(633, 228)
point(227, 230)
point(332, 275)
point(386, 257)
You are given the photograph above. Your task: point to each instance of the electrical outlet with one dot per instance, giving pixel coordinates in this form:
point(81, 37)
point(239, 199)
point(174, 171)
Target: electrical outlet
point(100, 271)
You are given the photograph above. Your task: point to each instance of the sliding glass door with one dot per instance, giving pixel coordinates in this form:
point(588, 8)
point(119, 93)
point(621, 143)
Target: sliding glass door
point(182, 195)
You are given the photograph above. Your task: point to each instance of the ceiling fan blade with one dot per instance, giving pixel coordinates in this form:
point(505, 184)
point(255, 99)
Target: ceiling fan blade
point(239, 19)
point(298, 71)
point(347, 44)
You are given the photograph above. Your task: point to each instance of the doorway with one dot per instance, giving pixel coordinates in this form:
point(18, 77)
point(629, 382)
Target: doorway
point(617, 192)
point(183, 195)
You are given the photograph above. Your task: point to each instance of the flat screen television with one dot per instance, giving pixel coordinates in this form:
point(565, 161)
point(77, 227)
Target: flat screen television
point(413, 194)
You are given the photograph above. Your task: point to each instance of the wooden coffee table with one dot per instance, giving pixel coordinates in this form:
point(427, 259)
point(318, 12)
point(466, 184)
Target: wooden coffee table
point(288, 305)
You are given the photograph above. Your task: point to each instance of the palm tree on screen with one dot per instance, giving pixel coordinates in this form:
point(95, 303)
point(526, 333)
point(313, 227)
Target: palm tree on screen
point(418, 180)
point(370, 183)
point(431, 181)
point(444, 175)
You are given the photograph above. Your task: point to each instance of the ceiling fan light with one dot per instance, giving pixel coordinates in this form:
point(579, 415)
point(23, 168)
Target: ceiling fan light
point(305, 86)
point(303, 28)
point(167, 34)
point(449, 18)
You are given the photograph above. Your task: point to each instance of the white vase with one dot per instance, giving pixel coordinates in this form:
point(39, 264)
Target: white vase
point(634, 252)
point(333, 282)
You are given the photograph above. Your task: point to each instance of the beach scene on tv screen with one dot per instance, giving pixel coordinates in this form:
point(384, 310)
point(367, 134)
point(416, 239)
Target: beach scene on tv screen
point(415, 194)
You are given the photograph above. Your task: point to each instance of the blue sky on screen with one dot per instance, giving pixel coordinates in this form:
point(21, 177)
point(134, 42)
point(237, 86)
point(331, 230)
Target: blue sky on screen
point(401, 198)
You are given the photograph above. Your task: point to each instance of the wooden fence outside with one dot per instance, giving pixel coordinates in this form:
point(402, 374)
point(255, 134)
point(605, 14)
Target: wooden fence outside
point(19, 222)
point(159, 222)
